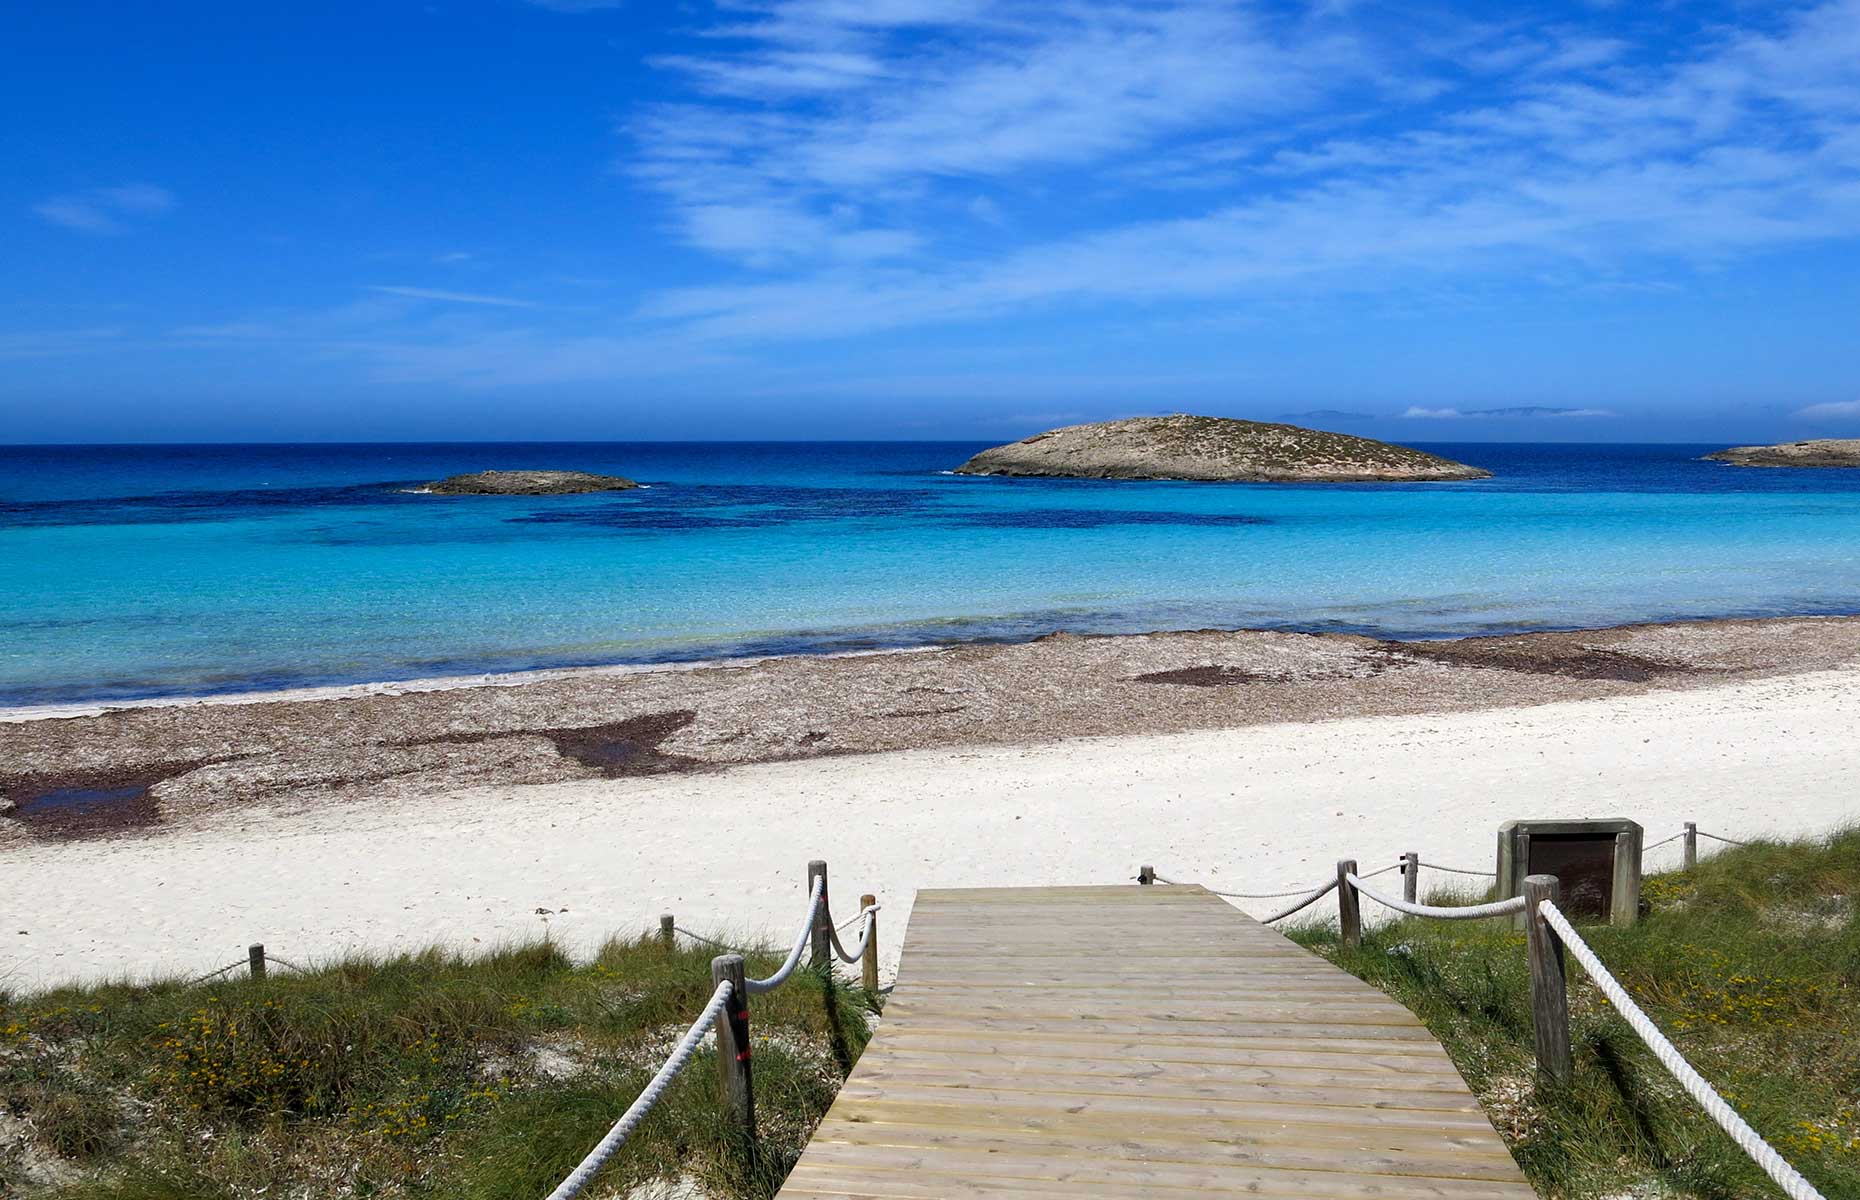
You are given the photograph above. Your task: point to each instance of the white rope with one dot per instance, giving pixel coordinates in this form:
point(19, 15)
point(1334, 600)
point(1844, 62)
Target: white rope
point(216, 974)
point(1461, 912)
point(1727, 841)
point(1663, 841)
point(1271, 895)
point(758, 986)
point(1308, 899)
point(642, 1104)
point(698, 937)
point(865, 936)
point(1748, 1140)
point(1453, 870)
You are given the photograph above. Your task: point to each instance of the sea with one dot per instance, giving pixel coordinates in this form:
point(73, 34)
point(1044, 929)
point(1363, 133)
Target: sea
point(134, 572)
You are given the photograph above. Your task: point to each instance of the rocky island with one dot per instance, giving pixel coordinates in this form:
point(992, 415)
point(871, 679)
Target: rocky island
point(528, 483)
point(1213, 449)
point(1819, 452)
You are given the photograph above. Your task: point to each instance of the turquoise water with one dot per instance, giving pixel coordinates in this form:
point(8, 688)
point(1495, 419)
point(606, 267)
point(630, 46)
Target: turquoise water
point(146, 571)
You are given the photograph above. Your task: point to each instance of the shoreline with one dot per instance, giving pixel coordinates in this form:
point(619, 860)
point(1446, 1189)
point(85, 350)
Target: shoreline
point(22, 713)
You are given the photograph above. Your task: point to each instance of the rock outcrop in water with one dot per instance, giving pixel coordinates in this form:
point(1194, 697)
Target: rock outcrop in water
point(1821, 452)
point(528, 483)
point(1213, 449)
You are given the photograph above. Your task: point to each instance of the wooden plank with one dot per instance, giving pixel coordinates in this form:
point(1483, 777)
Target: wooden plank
point(1408, 1160)
point(1142, 1041)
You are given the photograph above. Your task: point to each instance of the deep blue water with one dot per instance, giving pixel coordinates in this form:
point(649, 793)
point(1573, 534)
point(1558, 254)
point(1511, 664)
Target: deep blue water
point(144, 571)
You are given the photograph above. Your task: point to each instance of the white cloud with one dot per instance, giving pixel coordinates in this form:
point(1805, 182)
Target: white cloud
point(417, 293)
point(825, 120)
point(1834, 410)
point(105, 210)
point(1591, 165)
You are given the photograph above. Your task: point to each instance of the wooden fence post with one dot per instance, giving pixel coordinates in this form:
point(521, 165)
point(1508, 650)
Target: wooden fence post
point(1146, 875)
point(1692, 845)
point(1349, 906)
point(823, 916)
point(868, 964)
point(255, 958)
point(734, 1080)
point(1411, 876)
point(1549, 985)
point(668, 932)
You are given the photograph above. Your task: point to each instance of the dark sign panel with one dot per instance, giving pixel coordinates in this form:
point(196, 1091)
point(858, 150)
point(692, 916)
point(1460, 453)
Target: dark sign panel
point(1595, 861)
point(1585, 865)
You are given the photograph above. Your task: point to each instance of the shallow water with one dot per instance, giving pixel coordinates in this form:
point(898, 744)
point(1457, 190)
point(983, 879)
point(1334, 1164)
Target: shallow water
point(146, 571)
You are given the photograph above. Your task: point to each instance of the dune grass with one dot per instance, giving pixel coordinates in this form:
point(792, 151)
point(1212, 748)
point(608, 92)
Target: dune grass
point(1750, 963)
point(483, 1077)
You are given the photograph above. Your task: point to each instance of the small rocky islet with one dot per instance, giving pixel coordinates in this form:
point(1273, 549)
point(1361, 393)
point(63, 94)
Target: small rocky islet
point(1214, 449)
point(1817, 452)
point(528, 483)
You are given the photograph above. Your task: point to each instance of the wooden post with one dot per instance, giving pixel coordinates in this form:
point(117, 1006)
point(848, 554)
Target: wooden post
point(255, 957)
point(823, 916)
point(1146, 875)
point(668, 932)
point(1549, 985)
point(1411, 876)
point(868, 964)
point(1692, 845)
point(1349, 906)
point(735, 1084)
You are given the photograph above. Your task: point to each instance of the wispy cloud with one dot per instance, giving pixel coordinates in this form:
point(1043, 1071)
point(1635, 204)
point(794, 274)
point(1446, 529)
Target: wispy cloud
point(825, 145)
point(1834, 410)
point(105, 210)
point(1516, 412)
point(445, 297)
point(822, 128)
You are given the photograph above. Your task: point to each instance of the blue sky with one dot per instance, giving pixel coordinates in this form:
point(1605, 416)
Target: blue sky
point(927, 218)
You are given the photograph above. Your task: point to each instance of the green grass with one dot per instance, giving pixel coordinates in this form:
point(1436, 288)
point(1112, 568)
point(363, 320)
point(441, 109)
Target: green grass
point(1750, 963)
point(435, 1074)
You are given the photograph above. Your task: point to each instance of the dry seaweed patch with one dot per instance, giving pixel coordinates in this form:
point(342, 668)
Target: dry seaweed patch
point(425, 1075)
point(1738, 961)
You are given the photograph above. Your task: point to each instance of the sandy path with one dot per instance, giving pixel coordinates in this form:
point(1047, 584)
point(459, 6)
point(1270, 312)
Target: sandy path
point(1254, 809)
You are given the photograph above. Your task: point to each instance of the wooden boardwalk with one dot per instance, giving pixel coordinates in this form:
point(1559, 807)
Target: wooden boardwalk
point(1142, 1041)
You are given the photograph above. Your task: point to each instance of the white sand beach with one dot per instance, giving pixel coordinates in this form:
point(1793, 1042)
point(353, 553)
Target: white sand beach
point(1254, 809)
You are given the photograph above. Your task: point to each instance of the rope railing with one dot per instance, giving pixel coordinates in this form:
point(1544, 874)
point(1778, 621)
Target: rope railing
point(1410, 867)
point(1309, 899)
point(808, 926)
point(1748, 1140)
point(622, 1129)
point(728, 1013)
point(1456, 870)
point(1458, 912)
point(867, 920)
point(1305, 892)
